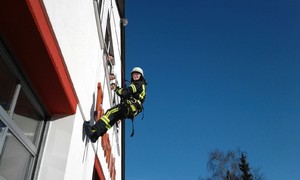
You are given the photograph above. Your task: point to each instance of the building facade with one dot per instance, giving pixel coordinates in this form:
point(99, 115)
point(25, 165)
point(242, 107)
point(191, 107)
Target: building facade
point(58, 59)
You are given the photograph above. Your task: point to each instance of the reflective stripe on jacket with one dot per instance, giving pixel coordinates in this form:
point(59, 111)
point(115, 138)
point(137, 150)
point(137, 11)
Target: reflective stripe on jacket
point(134, 95)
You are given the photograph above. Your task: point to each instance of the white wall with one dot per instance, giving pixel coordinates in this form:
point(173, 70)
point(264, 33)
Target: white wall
point(55, 156)
point(67, 154)
point(75, 29)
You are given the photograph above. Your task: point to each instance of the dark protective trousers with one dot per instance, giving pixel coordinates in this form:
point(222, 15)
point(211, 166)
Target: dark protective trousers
point(112, 115)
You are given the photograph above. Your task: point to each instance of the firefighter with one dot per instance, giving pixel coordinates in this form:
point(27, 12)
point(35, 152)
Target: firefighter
point(131, 105)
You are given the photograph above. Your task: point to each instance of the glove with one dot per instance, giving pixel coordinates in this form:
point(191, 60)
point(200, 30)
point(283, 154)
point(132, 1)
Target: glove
point(113, 86)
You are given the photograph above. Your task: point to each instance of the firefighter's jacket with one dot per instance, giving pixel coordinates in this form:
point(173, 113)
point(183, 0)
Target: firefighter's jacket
point(134, 95)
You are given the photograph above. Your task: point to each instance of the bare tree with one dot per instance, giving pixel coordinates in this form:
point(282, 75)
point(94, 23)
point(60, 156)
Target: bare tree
point(257, 174)
point(226, 166)
point(223, 165)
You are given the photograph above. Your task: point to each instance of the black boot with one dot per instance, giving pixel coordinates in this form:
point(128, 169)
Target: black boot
point(90, 132)
point(100, 128)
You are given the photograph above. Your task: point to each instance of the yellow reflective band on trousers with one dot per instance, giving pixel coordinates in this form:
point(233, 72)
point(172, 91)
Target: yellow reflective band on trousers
point(106, 121)
point(111, 111)
point(105, 117)
point(133, 88)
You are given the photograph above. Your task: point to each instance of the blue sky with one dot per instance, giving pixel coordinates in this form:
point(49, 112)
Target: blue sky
point(222, 74)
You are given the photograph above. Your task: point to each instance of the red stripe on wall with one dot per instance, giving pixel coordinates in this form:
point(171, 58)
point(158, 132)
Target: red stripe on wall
point(42, 21)
point(98, 168)
point(27, 33)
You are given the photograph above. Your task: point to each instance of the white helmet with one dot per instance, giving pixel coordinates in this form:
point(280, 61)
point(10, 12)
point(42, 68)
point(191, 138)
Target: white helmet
point(139, 70)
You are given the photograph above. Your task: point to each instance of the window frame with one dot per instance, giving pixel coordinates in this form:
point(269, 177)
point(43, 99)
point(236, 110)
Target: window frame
point(10, 124)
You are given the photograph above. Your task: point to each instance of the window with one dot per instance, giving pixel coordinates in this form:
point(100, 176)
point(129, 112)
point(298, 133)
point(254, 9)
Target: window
point(27, 118)
point(8, 83)
point(15, 160)
point(21, 123)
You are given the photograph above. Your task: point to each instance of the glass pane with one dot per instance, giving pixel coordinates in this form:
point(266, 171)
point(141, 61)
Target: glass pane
point(15, 161)
point(27, 118)
point(7, 84)
point(2, 127)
